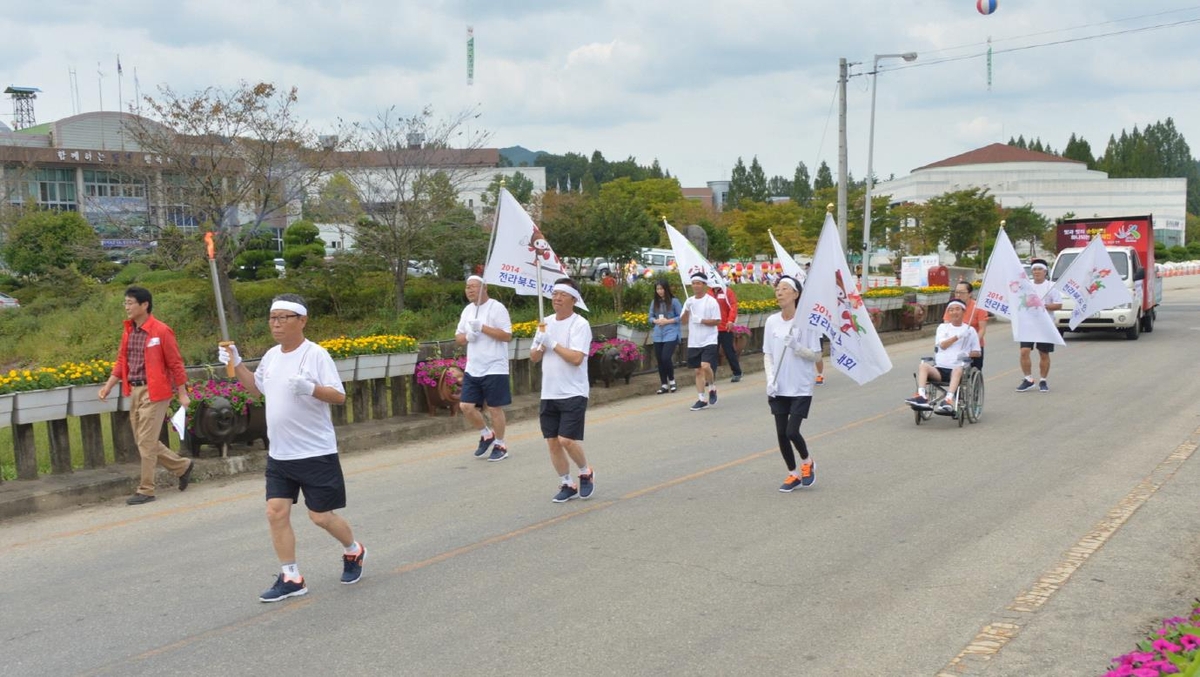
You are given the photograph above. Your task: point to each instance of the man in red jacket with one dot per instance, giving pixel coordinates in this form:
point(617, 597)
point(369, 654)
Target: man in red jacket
point(727, 300)
point(150, 369)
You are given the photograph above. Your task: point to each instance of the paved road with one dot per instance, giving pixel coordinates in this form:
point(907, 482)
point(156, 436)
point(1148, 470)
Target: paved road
point(687, 560)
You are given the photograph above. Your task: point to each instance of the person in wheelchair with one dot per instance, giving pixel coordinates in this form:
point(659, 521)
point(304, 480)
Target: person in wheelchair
point(955, 341)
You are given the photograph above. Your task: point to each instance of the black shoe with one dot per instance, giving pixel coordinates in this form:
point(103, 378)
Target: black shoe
point(352, 566)
point(673, 388)
point(283, 589)
point(565, 493)
point(484, 443)
point(587, 484)
point(736, 378)
point(186, 478)
point(138, 499)
point(1026, 386)
point(698, 405)
point(712, 397)
point(663, 389)
point(499, 453)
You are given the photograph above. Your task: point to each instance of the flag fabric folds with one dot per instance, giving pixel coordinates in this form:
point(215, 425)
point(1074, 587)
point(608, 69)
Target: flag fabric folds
point(1092, 283)
point(689, 260)
point(1008, 291)
point(832, 305)
point(520, 252)
point(790, 267)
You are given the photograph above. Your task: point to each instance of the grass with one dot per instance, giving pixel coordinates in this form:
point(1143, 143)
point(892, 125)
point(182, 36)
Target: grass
point(8, 466)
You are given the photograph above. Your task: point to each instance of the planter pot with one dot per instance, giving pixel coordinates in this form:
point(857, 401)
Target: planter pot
point(638, 336)
point(873, 303)
point(606, 367)
point(371, 367)
point(41, 405)
point(86, 400)
point(446, 394)
point(912, 316)
point(346, 367)
point(933, 299)
point(518, 348)
point(401, 364)
point(739, 342)
point(216, 423)
point(892, 303)
point(6, 409)
point(755, 320)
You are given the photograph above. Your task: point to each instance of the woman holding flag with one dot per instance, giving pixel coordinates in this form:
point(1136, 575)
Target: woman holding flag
point(790, 352)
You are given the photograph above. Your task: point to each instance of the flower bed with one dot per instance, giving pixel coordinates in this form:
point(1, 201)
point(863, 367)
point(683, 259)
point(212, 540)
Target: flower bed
point(44, 378)
point(524, 329)
point(758, 306)
point(204, 392)
point(381, 344)
point(626, 351)
point(429, 373)
point(639, 321)
point(1173, 649)
point(739, 330)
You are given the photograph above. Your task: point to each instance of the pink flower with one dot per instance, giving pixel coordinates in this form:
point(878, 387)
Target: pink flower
point(1165, 646)
point(1189, 642)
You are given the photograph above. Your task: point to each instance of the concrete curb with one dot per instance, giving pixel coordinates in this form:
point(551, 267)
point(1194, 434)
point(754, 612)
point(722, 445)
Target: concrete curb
point(83, 487)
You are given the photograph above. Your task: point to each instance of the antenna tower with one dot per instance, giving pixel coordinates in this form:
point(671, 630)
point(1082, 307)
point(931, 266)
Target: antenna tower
point(22, 98)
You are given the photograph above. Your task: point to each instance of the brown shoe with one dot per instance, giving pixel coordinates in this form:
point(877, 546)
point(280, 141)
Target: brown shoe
point(138, 499)
point(186, 478)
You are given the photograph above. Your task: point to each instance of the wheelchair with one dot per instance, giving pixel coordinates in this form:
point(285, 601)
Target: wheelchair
point(968, 402)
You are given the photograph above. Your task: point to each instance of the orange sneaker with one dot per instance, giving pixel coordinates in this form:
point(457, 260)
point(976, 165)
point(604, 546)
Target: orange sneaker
point(820, 379)
point(808, 474)
point(790, 484)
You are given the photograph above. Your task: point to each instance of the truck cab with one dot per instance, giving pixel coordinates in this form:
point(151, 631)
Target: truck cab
point(1131, 319)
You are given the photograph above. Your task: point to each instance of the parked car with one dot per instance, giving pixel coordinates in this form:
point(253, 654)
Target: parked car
point(7, 301)
point(422, 268)
point(600, 266)
point(657, 260)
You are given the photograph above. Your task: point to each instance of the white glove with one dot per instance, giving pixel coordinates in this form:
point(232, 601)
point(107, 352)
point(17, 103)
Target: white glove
point(548, 343)
point(772, 389)
point(228, 355)
point(806, 354)
point(472, 336)
point(301, 385)
point(538, 337)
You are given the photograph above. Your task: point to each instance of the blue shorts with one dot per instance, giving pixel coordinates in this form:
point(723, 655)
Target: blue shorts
point(492, 390)
point(695, 356)
point(319, 476)
point(563, 418)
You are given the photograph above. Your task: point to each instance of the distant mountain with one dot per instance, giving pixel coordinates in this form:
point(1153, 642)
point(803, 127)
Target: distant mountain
point(519, 155)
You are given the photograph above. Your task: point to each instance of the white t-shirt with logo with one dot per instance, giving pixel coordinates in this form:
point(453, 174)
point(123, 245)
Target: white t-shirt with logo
point(794, 375)
point(968, 342)
point(299, 426)
point(704, 308)
point(485, 355)
point(561, 379)
point(1047, 291)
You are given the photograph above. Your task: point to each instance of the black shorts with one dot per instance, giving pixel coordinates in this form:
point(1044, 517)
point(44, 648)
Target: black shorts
point(708, 354)
point(945, 373)
point(563, 418)
point(1040, 347)
point(492, 390)
point(319, 476)
point(792, 406)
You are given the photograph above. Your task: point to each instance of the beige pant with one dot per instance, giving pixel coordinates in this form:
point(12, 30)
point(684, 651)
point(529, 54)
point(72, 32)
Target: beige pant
point(147, 418)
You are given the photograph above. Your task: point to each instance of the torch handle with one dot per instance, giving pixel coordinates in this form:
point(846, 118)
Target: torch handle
point(230, 369)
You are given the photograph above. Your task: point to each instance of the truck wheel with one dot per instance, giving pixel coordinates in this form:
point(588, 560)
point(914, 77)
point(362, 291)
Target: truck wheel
point(1133, 332)
point(1148, 321)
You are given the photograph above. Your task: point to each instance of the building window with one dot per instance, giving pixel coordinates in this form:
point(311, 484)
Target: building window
point(99, 183)
point(56, 189)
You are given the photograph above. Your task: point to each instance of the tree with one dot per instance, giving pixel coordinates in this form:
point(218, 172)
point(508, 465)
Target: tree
point(44, 240)
point(750, 226)
point(520, 186)
point(824, 177)
point(1079, 149)
point(959, 218)
point(411, 183)
point(802, 190)
point(1160, 151)
point(912, 237)
point(257, 260)
point(238, 158)
point(739, 186)
point(302, 246)
point(459, 243)
point(1025, 224)
point(756, 184)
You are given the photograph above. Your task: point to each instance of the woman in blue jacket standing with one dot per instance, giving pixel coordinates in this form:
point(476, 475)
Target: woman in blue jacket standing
point(665, 310)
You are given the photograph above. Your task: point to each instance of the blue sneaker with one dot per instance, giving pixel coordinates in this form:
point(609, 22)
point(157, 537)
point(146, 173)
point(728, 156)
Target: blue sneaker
point(808, 474)
point(484, 443)
point(712, 396)
point(698, 405)
point(352, 565)
point(499, 453)
point(565, 493)
point(283, 589)
point(587, 484)
point(1026, 386)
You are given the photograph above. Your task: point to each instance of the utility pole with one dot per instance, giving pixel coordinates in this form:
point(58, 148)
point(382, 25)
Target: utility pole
point(843, 226)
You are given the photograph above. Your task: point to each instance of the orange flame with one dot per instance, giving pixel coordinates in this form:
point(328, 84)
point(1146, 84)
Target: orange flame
point(208, 242)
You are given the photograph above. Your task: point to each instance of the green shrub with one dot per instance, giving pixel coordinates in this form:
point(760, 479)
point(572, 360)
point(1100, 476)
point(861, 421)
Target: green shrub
point(131, 273)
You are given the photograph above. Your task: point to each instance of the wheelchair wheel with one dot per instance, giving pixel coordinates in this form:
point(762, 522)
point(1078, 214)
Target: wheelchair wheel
point(961, 404)
point(920, 415)
point(975, 408)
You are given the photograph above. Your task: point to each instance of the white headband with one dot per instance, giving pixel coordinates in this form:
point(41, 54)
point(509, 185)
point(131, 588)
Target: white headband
point(1038, 266)
point(289, 305)
point(568, 289)
point(956, 302)
point(475, 277)
point(790, 282)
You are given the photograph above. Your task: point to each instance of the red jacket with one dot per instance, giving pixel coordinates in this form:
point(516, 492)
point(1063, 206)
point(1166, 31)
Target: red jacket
point(727, 300)
point(164, 364)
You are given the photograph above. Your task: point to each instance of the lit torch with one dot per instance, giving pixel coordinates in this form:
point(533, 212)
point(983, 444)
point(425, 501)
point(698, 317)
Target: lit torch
point(212, 269)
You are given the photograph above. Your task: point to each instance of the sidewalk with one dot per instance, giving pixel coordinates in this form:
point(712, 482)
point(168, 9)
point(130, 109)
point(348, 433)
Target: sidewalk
point(53, 492)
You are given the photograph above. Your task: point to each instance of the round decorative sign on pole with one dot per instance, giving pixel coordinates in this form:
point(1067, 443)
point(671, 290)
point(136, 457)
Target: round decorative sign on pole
point(986, 6)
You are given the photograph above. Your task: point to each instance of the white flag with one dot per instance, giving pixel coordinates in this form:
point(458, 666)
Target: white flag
point(832, 305)
point(519, 251)
point(1008, 291)
point(689, 260)
point(1092, 282)
point(790, 267)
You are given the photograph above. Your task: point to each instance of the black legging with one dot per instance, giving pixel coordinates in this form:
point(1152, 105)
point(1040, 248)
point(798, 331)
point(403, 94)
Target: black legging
point(665, 352)
point(787, 429)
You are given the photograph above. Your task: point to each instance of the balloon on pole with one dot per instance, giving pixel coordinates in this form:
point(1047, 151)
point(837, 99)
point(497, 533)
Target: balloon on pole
point(986, 7)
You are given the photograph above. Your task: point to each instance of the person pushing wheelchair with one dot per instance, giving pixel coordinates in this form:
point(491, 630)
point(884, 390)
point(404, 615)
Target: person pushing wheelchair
point(955, 344)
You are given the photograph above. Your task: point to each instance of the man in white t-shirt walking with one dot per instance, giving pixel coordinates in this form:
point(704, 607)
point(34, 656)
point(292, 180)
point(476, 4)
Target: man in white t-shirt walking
point(702, 315)
point(954, 341)
point(561, 345)
point(299, 381)
point(485, 329)
point(1052, 301)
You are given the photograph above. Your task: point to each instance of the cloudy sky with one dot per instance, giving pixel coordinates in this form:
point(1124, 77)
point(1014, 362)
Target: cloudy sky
point(695, 84)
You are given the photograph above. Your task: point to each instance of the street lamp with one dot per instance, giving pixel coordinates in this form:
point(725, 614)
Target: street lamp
point(866, 264)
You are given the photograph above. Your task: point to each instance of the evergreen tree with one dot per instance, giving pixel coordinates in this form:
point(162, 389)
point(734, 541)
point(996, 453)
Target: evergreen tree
point(739, 186)
point(802, 189)
point(824, 177)
point(1079, 149)
point(757, 183)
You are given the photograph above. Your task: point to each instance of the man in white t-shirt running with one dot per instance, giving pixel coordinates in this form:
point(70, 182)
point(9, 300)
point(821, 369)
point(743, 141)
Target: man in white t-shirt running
point(485, 329)
point(1052, 301)
point(702, 315)
point(299, 381)
point(954, 341)
point(562, 344)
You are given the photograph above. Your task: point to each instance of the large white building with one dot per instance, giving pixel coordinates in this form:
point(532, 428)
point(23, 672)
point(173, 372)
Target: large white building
point(1053, 185)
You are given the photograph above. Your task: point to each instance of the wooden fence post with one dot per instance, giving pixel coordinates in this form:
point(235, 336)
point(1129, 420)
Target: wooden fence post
point(92, 432)
point(124, 445)
point(24, 451)
point(60, 446)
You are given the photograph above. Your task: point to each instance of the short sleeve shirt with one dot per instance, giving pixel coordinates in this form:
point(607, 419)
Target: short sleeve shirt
point(485, 355)
point(299, 425)
point(1047, 291)
point(561, 379)
point(794, 376)
point(704, 308)
point(968, 341)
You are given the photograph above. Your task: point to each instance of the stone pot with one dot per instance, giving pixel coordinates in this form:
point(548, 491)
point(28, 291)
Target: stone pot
point(604, 366)
point(216, 423)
